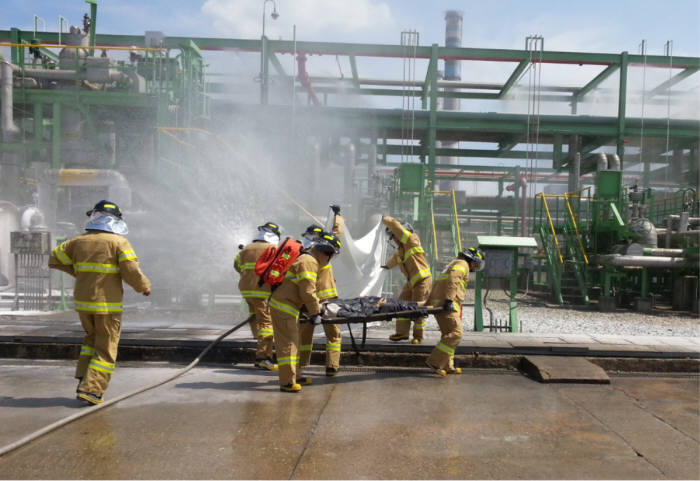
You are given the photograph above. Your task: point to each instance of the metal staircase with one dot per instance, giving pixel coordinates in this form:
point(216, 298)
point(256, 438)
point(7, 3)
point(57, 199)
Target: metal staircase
point(563, 247)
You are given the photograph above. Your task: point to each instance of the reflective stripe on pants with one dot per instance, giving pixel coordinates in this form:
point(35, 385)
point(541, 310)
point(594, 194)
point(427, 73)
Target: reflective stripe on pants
point(286, 329)
point(102, 332)
point(451, 328)
point(261, 327)
point(418, 293)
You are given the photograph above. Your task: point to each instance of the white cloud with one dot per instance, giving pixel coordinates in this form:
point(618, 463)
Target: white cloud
point(315, 19)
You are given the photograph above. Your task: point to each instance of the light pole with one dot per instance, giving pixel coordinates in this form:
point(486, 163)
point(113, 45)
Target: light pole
point(263, 50)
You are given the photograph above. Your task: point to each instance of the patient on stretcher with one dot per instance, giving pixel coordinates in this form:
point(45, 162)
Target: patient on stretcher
point(359, 307)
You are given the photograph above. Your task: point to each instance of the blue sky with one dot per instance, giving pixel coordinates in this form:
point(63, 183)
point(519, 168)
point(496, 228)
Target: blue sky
point(595, 26)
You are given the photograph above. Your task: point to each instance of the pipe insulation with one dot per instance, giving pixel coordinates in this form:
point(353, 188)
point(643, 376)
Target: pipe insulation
point(660, 252)
point(97, 75)
point(9, 128)
point(644, 261)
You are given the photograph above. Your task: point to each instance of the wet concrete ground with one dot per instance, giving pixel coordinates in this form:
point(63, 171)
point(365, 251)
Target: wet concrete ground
point(231, 422)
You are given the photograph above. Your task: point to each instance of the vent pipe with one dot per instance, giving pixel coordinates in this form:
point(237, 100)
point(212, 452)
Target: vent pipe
point(453, 72)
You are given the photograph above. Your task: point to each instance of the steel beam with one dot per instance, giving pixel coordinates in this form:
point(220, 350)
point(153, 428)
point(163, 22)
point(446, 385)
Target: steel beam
point(513, 77)
point(380, 50)
point(673, 81)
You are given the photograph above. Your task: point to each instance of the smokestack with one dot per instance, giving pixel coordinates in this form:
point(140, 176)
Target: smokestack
point(453, 71)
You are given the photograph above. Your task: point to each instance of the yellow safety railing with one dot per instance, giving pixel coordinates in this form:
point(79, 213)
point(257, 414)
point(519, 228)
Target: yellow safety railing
point(551, 225)
point(578, 236)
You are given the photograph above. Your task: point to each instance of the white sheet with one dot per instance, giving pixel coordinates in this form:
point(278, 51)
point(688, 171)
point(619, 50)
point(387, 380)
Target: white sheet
point(357, 268)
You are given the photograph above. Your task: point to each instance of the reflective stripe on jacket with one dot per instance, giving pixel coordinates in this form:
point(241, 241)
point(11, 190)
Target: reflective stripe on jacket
point(244, 263)
point(298, 288)
point(451, 283)
point(409, 256)
point(99, 261)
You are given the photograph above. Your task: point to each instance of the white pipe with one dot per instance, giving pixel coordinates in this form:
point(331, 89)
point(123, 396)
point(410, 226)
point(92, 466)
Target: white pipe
point(613, 162)
point(9, 128)
point(644, 261)
point(601, 162)
point(70, 75)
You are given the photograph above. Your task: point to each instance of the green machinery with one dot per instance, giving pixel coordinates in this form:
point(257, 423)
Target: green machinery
point(621, 245)
point(82, 108)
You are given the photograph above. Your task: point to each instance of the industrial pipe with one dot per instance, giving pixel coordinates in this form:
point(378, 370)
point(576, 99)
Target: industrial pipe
point(523, 201)
point(9, 128)
point(614, 162)
point(95, 75)
point(644, 261)
point(305, 80)
point(601, 162)
point(649, 251)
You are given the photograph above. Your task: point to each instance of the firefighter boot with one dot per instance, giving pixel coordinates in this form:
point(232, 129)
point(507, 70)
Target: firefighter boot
point(436, 370)
point(266, 364)
point(290, 388)
point(304, 381)
point(89, 398)
point(398, 337)
point(331, 371)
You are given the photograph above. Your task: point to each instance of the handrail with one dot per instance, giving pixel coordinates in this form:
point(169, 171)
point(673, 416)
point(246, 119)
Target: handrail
point(551, 224)
point(579, 190)
point(578, 236)
point(459, 234)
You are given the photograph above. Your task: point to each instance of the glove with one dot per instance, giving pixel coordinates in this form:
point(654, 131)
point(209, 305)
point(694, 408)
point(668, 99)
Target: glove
point(449, 305)
point(315, 319)
point(384, 267)
point(335, 208)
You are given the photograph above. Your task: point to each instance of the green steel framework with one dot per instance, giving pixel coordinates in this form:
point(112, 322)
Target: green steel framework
point(431, 124)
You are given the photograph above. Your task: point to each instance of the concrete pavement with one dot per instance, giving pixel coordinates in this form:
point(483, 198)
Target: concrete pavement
point(219, 422)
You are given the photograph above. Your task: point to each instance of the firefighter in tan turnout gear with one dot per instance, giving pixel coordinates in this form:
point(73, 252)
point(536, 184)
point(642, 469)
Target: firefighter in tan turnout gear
point(298, 289)
point(410, 257)
point(448, 293)
point(325, 291)
point(99, 260)
point(256, 295)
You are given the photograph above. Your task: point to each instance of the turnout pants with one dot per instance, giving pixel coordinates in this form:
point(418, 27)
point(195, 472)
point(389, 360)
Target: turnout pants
point(451, 329)
point(261, 327)
point(333, 339)
point(286, 329)
point(98, 354)
point(418, 293)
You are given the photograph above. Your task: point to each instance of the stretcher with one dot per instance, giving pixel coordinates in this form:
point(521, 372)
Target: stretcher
point(380, 316)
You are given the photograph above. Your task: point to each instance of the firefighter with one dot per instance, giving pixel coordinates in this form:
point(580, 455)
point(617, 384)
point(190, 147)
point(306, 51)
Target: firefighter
point(325, 291)
point(298, 289)
point(448, 292)
point(99, 260)
point(410, 257)
point(256, 295)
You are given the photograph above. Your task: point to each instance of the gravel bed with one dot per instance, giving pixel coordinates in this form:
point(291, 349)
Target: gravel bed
point(539, 317)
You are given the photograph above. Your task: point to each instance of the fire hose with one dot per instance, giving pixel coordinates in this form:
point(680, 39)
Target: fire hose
point(62, 422)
